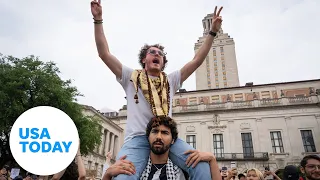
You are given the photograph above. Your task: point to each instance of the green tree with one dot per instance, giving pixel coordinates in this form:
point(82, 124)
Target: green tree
point(28, 82)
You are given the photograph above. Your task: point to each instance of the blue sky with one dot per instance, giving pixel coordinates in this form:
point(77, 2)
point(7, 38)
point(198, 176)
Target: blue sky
point(276, 40)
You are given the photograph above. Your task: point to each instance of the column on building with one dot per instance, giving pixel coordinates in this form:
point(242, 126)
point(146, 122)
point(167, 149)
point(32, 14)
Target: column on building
point(102, 145)
point(116, 144)
point(112, 144)
point(106, 149)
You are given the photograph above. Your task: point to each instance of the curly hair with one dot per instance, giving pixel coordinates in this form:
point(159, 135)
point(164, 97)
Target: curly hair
point(166, 121)
point(305, 159)
point(143, 53)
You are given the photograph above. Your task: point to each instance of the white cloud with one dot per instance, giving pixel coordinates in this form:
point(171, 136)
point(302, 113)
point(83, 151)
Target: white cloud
point(275, 40)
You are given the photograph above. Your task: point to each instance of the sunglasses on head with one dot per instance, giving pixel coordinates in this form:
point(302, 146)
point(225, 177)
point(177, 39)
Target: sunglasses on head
point(155, 52)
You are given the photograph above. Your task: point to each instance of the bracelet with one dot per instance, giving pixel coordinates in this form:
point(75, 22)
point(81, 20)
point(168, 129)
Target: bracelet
point(97, 21)
point(212, 33)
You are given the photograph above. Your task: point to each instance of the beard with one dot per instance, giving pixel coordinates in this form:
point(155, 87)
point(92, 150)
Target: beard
point(160, 149)
point(310, 176)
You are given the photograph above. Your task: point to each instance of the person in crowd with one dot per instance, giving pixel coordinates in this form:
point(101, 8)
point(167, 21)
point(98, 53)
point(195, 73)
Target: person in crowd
point(310, 167)
point(75, 171)
point(254, 174)
point(267, 173)
point(242, 176)
point(290, 173)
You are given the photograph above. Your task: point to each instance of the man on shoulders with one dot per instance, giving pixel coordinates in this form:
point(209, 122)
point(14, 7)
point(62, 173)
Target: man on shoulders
point(162, 133)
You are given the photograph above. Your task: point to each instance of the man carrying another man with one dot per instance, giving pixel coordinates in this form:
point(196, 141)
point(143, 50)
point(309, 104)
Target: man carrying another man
point(162, 133)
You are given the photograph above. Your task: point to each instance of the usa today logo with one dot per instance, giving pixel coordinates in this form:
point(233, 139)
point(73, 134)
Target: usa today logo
point(44, 140)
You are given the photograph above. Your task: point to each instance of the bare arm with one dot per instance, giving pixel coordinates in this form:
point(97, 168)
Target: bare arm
point(121, 166)
point(275, 176)
point(81, 169)
point(200, 56)
point(196, 156)
point(214, 168)
point(101, 42)
point(198, 59)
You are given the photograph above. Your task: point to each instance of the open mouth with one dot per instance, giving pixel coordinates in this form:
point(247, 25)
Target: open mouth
point(156, 61)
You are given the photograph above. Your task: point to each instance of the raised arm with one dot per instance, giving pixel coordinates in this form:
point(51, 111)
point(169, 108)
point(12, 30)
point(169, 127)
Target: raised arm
point(200, 56)
point(81, 168)
point(101, 42)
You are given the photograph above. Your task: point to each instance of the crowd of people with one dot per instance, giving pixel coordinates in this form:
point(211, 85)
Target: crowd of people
point(162, 133)
point(75, 171)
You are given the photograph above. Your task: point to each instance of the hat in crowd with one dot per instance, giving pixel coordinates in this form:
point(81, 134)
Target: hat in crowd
point(6, 167)
point(241, 175)
point(290, 173)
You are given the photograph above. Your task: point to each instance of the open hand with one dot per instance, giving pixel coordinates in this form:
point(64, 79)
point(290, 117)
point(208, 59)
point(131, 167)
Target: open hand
point(196, 156)
point(96, 9)
point(216, 20)
point(122, 166)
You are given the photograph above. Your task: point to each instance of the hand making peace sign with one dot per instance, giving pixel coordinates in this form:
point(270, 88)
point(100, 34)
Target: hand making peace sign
point(216, 20)
point(96, 9)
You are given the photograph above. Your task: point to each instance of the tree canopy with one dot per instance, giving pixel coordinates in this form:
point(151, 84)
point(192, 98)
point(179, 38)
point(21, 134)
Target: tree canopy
point(29, 82)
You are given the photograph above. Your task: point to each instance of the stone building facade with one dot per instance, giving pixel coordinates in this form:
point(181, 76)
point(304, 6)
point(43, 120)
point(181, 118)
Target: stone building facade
point(251, 126)
point(111, 141)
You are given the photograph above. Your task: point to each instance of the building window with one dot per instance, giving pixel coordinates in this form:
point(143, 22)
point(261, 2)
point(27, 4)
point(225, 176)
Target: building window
point(276, 141)
point(225, 84)
point(191, 140)
point(215, 98)
point(238, 97)
point(308, 142)
point(224, 73)
point(218, 145)
point(214, 53)
point(192, 100)
point(247, 145)
point(265, 95)
point(222, 57)
point(221, 49)
point(224, 78)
